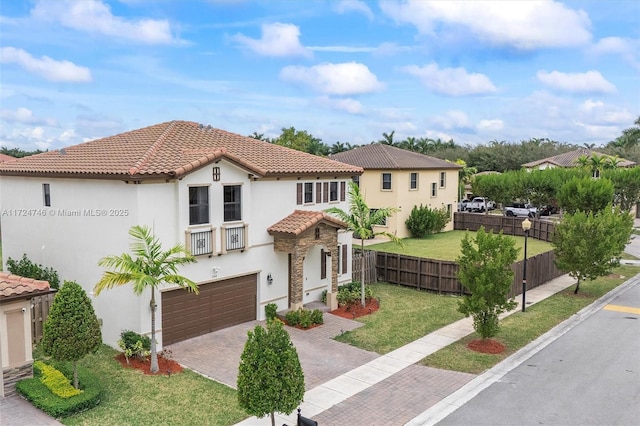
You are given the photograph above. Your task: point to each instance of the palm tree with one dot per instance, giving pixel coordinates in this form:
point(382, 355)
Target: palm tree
point(148, 269)
point(360, 219)
point(387, 138)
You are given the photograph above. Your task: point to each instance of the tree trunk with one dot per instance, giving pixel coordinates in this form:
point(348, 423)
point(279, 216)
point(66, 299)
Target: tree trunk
point(577, 287)
point(273, 419)
point(362, 272)
point(154, 353)
point(75, 374)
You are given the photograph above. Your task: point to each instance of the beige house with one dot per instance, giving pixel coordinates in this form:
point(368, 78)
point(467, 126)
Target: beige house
point(15, 328)
point(395, 177)
point(570, 159)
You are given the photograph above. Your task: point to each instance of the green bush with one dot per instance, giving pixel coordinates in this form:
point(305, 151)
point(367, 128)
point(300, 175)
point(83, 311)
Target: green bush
point(26, 268)
point(39, 394)
point(305, 318)
point(55, 380)
point(134, 345)
point(349, 294)
point(271, 311)
point(423, 221)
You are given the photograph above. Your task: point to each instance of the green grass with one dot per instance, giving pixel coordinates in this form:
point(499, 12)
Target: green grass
point(405, 315)
point(446, 246)
point(519, 329)
point(132, 398)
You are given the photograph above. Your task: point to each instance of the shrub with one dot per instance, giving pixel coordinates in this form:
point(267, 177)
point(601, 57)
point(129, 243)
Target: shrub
point(271, 311)
point(424, 221)
point(26, 268)
point(304, 317)
point(39, 394)
point(134, 345)
point(349, 294)
point(55, 380)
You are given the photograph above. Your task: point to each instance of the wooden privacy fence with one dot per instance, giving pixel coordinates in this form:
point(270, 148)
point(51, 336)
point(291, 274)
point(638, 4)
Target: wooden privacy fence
point(369, 260)
point(40, 306)
point(540, 229)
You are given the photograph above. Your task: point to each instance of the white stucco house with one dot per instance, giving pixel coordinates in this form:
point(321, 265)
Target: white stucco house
point(250, 211)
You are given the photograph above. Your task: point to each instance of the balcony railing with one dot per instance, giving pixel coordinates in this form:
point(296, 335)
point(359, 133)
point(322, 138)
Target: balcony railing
point(201, 242)
point(234, 238)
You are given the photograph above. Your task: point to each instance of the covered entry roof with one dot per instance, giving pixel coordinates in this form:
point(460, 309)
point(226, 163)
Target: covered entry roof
point(301, 220)
point(15, 287)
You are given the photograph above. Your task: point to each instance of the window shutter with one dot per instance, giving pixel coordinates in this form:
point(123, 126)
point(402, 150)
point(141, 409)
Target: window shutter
point(323, 265)
point(344, 259)
point(299, 193)
point(318, 192)
point(325, 187)
point(343, 190)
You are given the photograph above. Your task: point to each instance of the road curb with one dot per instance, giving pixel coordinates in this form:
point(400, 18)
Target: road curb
point(454, 401)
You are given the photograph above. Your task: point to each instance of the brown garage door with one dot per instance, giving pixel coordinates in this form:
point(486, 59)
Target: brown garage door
point(219, 305)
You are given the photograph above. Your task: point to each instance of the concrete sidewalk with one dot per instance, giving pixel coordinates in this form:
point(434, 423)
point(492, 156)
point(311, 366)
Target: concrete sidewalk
point(336, 391)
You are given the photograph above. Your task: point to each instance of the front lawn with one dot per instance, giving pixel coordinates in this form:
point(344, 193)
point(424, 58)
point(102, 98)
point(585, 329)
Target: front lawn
point(446, 246)
point(405, 315)
point(132, 398)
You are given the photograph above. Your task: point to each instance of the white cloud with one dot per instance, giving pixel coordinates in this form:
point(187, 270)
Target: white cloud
point(451, 81)
point(490, 125)
point(277, 40)
point(94, 16)
point(348, 78)
point(588, 82)
point(524, 25)
point(25, 116)
point(358, 6)
point(45, 67)
point(452, 120)
point(349, 105)
point(600, 113)
point(628, 49)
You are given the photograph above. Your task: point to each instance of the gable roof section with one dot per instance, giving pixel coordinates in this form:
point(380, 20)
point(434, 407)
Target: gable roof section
point(570, 159)
point(15, 287)
point(5, 157)
point(301, 220)
point(381, 156)
point(170, 150)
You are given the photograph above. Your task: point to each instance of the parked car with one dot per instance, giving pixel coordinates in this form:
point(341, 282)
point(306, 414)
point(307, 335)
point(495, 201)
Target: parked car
point(480, 204)
point(547, 210)
point(520, 209)
point(462, 205)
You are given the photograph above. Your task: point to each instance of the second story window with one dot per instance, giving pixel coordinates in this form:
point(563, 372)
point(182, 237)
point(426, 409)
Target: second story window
point(356, 180)
point(443, 179)
point(413, 181)
point(434, 189)
point(308, 192)
point(198, 205)
point(46, 193)
point(333, 191)
point(386, 181)
point(232, 203)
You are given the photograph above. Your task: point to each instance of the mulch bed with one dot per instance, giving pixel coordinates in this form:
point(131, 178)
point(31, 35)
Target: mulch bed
point(167, 366)
point(486, 346)
point(356, 310)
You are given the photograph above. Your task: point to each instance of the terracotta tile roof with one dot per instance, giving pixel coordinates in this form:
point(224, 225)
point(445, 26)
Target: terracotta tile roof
point(169, 150)
point(301, 220)
point(5, 157)
point(12, 286)
point(570, 159)
point(381, 156)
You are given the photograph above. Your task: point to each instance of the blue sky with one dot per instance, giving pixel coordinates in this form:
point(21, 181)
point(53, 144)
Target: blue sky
point(344, 71)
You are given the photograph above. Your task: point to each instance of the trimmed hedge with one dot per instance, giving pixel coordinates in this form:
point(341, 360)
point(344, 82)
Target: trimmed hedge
point(305, 318)
point(39, 394)
point(54, 380)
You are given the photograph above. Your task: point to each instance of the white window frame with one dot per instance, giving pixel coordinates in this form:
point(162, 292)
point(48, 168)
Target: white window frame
point(412, 182)
point(382, 181)
point(434, 189)
point(443, 179)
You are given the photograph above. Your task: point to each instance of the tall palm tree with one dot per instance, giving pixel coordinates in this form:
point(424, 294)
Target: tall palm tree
point(387, 138)
point(360, 219)
point(150, 267)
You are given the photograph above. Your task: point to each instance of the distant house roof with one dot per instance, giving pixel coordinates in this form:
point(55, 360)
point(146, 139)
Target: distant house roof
point(381, 156)
point(170, 150)
point(16, 287)
point(5, 157)
point(301, 220)
point(570, 159)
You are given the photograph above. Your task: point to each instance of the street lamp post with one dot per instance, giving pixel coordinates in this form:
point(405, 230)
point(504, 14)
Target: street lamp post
point(526, 225)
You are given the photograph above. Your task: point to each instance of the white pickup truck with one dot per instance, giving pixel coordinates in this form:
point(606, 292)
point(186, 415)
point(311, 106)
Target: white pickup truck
point(520, 209)
point(479, 204)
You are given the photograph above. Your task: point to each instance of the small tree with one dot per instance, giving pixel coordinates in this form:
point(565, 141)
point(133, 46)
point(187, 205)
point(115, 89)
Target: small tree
point(72, 329)
point(586, 194)
point(589, 245)
point(270, 377)
point(423, 221)
point(485, 271)
point(26, 268)
point(360, 219)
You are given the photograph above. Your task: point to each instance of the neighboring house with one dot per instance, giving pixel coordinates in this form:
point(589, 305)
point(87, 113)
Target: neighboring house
point(5, 157)
point(570, 159)
point(395, 177)
point(16, 358)
point(250, 211)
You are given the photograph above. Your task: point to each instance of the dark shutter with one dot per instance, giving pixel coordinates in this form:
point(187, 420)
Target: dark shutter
point(343, 190)
point(326, 192)
point(318, 192)
point(323, 265)
point(299, 193)
point(344, 259)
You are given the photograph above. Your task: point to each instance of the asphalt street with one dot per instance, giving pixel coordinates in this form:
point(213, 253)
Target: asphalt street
point(588, 376)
